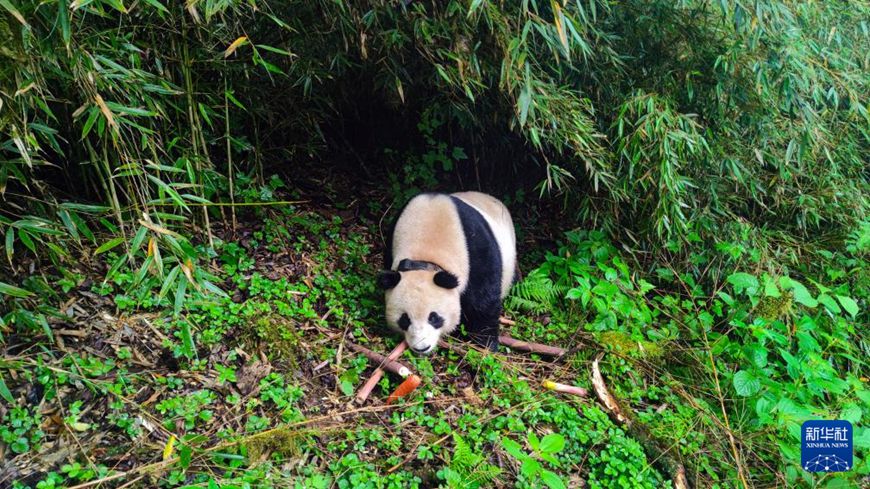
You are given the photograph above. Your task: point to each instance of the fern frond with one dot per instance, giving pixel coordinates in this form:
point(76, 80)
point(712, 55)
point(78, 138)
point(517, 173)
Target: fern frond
point(536, 293)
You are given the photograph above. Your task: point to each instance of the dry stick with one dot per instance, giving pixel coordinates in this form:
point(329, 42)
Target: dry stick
point(386, 364)
point(512, 343)
point(370, 384)
point(637, 431)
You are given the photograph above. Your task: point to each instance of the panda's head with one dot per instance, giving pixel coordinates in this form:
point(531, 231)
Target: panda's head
point(423, 304)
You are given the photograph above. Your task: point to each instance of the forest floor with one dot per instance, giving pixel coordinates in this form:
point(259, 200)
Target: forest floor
point(256, 389)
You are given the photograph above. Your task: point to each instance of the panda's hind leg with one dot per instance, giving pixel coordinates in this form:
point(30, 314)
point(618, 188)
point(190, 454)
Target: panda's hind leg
point(482, 326)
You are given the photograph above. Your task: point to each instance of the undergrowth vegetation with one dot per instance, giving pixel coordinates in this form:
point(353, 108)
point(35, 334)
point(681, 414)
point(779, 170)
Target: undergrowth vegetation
point(195, 196)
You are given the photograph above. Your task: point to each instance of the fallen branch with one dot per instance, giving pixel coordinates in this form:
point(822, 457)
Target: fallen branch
point(515, 344)
point(638, 431)
point(388, 363)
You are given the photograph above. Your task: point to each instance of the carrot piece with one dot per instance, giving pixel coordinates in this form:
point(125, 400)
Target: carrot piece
point(412, 382)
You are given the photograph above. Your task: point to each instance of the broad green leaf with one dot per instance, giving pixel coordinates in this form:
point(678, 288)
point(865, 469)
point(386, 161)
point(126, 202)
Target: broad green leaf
point(849, 305)
point(851, 413)
point(552, 480)
point(746, 384)
point(743, 281)
point(552, 443)
point(862, 437)
point(801, 294)
point(513, 448)
point(534, 442)
point(346, 387)
point(530, 467)
point(829, 303)
point(770, 288)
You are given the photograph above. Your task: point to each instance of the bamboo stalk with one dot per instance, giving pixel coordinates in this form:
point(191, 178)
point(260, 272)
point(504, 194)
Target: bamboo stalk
point(370, 384)
point(506, 322)
point(384, 363)
point(564, 388)
point(515, 344)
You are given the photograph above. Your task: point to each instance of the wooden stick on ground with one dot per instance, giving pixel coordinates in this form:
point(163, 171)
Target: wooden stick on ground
point(370, 384)
point(637, 431)
point(515, 344)
point(605, 396)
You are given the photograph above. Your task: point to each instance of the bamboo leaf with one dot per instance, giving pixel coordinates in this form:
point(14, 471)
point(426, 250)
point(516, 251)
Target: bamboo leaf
point(6, 4)
point(14, 291)
point(189, 348)
point(158, 229)
point(108, 245)
point(168, 282)
point(10, 243)
point(180, 291)
point(4, 391)
point(159, 6)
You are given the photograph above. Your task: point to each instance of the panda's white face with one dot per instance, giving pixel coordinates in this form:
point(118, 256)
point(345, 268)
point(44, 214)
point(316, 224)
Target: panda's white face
point(422, 310)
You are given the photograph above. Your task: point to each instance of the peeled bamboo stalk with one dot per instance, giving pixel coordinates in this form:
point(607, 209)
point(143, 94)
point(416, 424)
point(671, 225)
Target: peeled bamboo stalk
point(382, 361)
point(388, 363)
point(567, 389)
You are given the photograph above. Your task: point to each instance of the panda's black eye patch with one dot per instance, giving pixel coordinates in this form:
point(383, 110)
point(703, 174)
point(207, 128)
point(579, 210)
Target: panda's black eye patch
point(435, 320)
point(404, 322)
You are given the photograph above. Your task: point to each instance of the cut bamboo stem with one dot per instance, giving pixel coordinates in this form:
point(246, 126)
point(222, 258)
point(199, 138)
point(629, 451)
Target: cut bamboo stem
point(505, 321)
point(382, 361)
point(567, 389)
point(514, 344)
point(370, 384)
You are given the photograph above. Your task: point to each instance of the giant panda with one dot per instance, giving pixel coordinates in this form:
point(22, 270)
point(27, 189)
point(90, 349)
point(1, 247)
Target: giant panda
point(450, 259)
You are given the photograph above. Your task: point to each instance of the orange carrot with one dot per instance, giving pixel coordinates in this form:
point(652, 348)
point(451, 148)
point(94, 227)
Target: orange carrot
point(412, 382)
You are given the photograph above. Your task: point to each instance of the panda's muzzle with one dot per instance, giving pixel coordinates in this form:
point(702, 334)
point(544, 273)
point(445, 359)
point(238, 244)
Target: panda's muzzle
point(423, 351)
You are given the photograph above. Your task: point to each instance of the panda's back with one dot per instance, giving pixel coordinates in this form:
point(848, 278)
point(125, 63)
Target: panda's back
point(469, 234)
point(499, 220)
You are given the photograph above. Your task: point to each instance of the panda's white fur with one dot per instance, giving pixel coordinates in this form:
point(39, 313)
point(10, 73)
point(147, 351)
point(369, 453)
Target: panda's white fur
point(475, 272)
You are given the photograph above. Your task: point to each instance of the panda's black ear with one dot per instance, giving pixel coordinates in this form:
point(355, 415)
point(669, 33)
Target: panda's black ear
point(388, 279)
point(446, 280)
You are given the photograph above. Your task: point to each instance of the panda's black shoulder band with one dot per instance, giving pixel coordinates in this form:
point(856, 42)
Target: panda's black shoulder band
point(408, 265)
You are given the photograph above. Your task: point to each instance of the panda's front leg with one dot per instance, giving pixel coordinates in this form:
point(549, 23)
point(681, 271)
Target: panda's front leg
point(481, 323)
